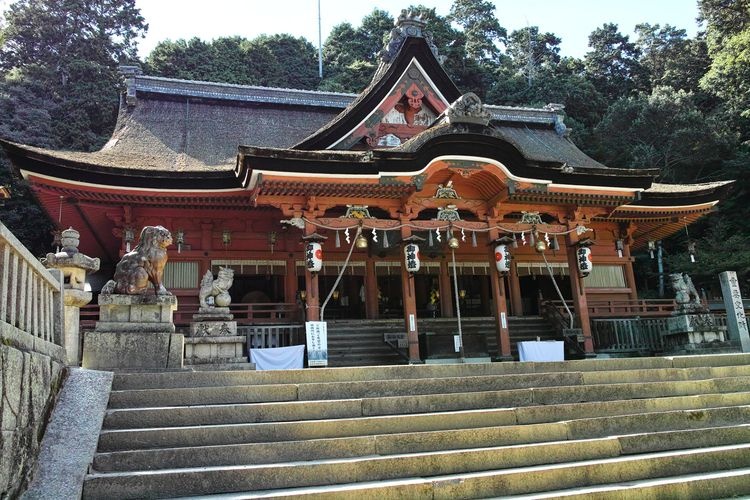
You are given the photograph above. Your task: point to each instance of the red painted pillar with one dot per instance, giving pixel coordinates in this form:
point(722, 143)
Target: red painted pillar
point(410, 304)
point(516, 303)
point(499, 307)
point(629, 275)
point(580, 303)
point(290, 280)
point(312, 299)
point(446, 294)
point(371, 290)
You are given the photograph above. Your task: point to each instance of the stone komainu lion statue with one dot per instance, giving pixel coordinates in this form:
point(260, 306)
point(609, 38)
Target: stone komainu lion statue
point(143, 266)
point(218, 288)
point(686, 295)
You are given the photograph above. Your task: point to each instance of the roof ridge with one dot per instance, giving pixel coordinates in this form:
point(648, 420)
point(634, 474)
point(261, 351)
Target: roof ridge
point(239, 86)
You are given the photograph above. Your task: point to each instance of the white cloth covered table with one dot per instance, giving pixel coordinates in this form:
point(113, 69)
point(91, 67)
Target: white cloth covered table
point(278, 358)
point(541, 351)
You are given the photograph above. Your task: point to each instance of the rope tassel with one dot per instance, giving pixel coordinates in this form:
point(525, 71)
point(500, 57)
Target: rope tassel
point(385, 240)
point(338, 240)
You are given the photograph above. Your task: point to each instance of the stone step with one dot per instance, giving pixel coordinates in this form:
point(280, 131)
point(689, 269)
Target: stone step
point(547, 385)
point(123, 381)
point(453, 474)
point(221, 366)
point(714, 427)
point(173, 416)
point(214, 361)
point(206, 435)
point(721, 484)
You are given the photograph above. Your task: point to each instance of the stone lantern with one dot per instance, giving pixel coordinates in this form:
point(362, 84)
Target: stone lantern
point(74, 266)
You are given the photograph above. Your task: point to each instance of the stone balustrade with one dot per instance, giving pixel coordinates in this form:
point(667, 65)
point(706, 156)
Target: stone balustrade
point(32, 356)
point(31, 295)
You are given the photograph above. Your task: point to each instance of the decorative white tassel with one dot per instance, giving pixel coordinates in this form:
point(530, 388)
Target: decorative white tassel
point(437, 233)
point(546, 238)
point(338, 240)
point(463, 235)
point(385, 240)
point(374, 236)
point(429, 239)
point(474, 239)
point(346, 235)
point(523, 238)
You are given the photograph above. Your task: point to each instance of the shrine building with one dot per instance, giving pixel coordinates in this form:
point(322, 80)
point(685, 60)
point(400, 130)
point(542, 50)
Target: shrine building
point(316, 198)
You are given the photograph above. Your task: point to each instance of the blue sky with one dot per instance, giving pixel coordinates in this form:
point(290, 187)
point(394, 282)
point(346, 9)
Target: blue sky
point(571, 20)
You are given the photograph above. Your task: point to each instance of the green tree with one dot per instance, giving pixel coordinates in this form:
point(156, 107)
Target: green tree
point(664, 130)
point(531, 52)
point(612, 63)
point(727, 25)
point(298, 60)
point(670, 58)
point(481, 29)
point(59, 85)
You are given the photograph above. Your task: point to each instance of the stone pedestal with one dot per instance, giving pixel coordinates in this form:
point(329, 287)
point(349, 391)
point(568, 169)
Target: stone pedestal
point(136, 313)
point(74, 300)
point(213, 338)
point(213, 322)
point(74, 266)
point(135, 332)
point(215, 350)
point(693, 332)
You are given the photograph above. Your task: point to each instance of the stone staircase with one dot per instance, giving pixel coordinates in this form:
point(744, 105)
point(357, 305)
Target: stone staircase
point(603, 428)
point(360, 343)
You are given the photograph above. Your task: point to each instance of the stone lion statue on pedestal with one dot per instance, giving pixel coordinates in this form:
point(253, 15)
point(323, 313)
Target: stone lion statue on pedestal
point(215, 292)
point(142, 267)
point(686, 295)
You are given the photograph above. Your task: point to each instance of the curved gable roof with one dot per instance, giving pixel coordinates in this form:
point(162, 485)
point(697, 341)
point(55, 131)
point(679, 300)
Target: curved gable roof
point(413, 50)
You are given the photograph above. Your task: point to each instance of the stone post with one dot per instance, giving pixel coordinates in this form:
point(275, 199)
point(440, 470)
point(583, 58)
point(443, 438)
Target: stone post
point(736, 321)
point(73, 265)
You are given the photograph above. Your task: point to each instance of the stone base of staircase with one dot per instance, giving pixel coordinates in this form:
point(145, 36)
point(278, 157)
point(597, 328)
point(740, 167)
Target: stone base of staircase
point(669, 427)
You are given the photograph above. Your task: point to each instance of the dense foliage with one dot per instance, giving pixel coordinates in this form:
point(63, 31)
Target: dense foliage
point(660, 99)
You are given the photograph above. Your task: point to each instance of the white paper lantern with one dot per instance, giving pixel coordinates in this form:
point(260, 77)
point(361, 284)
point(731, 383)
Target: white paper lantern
point(585, 264)
point(314, 257)
point(502, 258)
point(411, 256)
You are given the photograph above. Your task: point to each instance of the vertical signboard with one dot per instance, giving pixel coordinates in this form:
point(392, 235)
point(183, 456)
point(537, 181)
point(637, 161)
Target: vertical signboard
point(736, 321)
point(317, 343)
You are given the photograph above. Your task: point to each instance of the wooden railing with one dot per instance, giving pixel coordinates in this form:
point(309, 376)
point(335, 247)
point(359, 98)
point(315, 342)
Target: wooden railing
point(624, 308)
point(244, 314)
point(263, 336)
point(31, 297)
point(628, 335)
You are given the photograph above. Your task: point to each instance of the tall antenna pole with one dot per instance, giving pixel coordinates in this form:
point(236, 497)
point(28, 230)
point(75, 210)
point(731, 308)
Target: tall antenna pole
point(320, 45)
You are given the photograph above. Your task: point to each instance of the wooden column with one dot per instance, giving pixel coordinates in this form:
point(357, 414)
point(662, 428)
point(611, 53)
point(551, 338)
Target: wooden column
point(516, 302)
point(580, 303)
point(371, 290)
point(446, 296)
point(500, 311)
point(410, 304)
point(290, 280)
point(629, 274)
point(312, 299)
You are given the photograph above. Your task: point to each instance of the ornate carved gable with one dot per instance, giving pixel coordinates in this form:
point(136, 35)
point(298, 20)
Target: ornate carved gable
point(409, 108)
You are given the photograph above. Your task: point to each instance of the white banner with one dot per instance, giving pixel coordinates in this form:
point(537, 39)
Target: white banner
point(317, 343)
point(278, 358)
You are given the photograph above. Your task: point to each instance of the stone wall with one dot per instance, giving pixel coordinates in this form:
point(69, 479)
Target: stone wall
point(32, 358)
point(31, 372)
